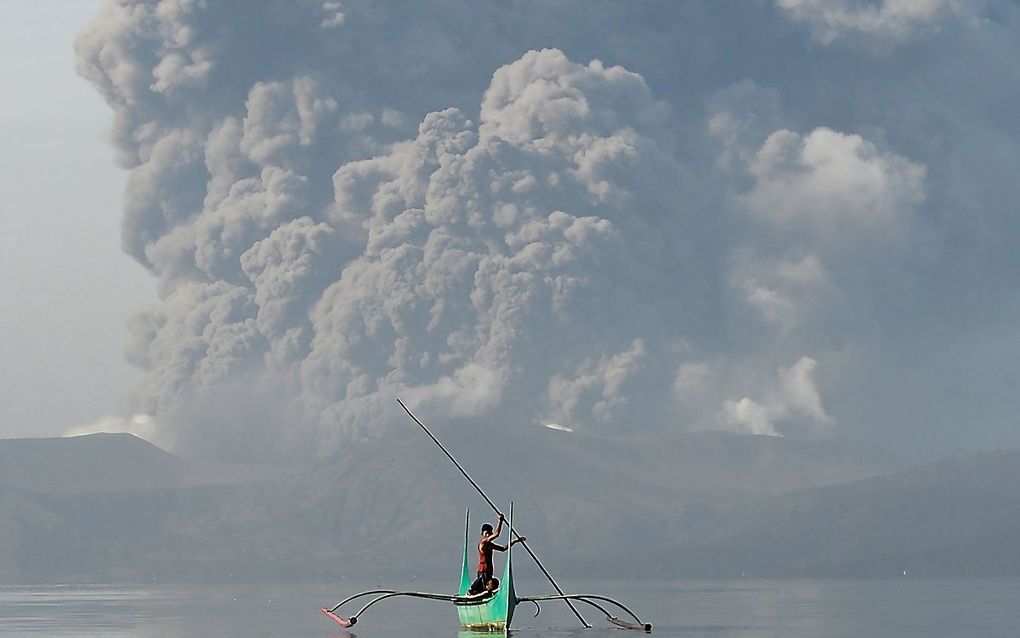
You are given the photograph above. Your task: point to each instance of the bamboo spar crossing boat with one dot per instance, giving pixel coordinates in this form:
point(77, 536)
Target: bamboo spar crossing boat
point(489, 611)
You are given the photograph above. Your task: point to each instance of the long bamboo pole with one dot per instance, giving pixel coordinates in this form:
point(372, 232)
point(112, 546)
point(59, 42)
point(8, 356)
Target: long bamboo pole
point(495, 509)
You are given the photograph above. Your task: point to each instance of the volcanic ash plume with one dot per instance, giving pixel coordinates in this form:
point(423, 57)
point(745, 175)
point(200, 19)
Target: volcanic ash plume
point(326, 238)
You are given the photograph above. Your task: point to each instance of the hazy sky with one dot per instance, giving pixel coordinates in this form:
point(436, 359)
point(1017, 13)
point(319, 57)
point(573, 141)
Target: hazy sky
point(784, 217)
point(68, 290)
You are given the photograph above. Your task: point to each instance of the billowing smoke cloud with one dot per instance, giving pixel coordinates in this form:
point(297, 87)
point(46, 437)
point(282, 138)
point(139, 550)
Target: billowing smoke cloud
point(830, 182)
point(348, 201)
point(503, 263)
point(830, 20)
point(785, 293)
point(787, 396)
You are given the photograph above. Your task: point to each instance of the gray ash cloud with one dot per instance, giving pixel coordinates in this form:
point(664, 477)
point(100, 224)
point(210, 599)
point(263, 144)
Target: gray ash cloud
point(504, 221)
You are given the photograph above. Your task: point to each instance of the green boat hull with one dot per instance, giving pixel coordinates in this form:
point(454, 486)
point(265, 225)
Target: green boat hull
point(492, 614)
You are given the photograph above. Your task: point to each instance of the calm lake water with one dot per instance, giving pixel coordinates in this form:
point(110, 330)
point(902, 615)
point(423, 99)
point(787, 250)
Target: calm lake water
point(725, 609)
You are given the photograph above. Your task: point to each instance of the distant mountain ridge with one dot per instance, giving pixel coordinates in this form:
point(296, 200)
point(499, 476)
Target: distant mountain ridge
point(952, 518)
point(89, 463)
point(696, 504)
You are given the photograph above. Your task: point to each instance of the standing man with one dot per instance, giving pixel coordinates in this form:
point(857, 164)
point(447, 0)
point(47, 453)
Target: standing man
point(485, 547)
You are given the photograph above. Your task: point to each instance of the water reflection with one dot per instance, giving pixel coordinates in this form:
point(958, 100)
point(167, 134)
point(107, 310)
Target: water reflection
point(744, 609)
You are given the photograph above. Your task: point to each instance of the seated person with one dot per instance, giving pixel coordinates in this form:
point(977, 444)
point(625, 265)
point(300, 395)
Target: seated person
point(491, 586)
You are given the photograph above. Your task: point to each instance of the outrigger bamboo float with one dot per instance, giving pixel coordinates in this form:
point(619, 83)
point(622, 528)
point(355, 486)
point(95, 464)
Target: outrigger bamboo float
point(489, 611)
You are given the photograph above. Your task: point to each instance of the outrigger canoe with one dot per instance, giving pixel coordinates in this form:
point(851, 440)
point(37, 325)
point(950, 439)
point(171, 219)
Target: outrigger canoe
point(489, 611)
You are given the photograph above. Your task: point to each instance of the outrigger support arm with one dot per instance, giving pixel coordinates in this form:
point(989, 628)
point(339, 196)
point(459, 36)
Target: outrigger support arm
point(589, 599)
point(513, 533)
point(362, 594)
point(383, 594)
